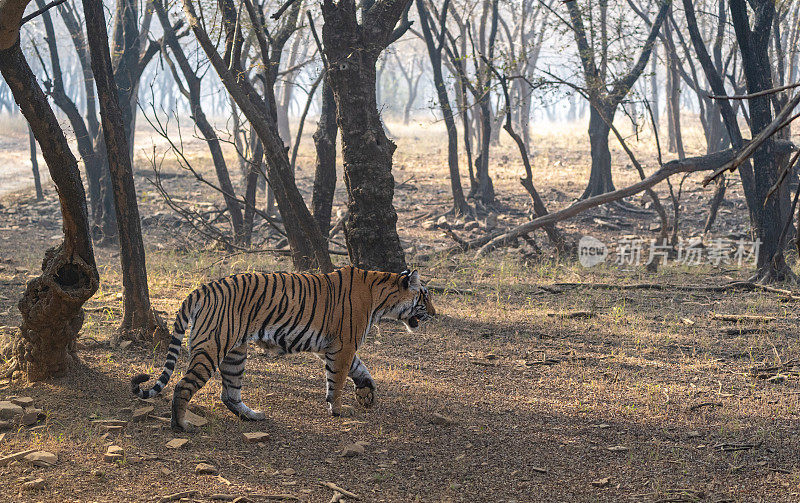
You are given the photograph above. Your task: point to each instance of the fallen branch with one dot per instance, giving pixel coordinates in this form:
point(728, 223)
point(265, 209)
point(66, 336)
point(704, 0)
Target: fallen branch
point(747, 318)
point(177, 496)
point(688, 165)
point(345, 492)
point(736, 285)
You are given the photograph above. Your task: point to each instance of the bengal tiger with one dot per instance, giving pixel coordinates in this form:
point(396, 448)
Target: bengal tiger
point(327, 314)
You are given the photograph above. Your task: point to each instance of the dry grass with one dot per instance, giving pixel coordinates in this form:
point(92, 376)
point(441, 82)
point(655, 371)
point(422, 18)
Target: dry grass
point(634, 374)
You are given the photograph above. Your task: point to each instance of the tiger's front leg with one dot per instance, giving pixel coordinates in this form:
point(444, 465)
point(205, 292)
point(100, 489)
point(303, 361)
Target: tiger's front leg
point(363, 382)
point(337, 366)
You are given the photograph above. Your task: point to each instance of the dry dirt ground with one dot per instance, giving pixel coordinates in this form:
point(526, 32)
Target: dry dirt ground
point(551, 392)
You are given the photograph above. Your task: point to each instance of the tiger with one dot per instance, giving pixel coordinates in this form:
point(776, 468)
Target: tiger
point(327, 314)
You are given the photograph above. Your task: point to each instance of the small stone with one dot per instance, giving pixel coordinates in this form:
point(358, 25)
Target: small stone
point(42, 458)
point(428, 225)
point(205, 469)
point(124, 344)
point(113, 453)
point(141, 413)
point(601, 482)
point(22, 401)
point(195, 420)
point(9, 410)
point(255, 437)
point(353, 450)
point(288, 472)
point(177, 443)
point(441, 419)
point(442, 223)
point(33, 485)
point(30, 418)
point(165, 472)
point(693, 434)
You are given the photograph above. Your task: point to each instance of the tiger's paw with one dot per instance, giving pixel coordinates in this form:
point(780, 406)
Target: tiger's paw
point(186, 427)
point(253, 415)
point(365, 396)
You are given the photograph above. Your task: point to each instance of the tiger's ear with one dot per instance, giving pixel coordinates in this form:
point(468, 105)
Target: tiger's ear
point(411, 281)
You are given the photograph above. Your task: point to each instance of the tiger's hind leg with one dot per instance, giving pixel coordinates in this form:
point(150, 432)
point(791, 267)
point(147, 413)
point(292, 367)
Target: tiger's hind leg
point(231, 369)
point(365, 386)
point(201, 368)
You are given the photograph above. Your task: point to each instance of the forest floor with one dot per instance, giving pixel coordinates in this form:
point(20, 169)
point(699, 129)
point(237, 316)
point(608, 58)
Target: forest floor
point(553, 386)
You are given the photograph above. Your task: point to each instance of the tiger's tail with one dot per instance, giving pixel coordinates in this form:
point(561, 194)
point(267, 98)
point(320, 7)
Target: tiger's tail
point(185, 315)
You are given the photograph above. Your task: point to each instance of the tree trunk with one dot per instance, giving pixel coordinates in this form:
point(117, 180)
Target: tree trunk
point(51, 306)
point(37, 182)
point(309, 250)
point(460, 206)
point(325, 172)
point(769, 220)
point(371, 225)
point(209, 133)
point(484, 190)
point(139, 321)
point(600, 179)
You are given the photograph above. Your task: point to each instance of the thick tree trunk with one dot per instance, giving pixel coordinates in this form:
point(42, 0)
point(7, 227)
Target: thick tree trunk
point(51, 307)
point(325, 171)
point(769, 220)
point(371, 225)
point(139, 321)
point(600, 179)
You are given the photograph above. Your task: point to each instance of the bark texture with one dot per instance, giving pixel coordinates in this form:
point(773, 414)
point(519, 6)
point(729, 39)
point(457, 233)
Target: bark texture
point(51, 306)
point(139, 321)
point(325, 169)
point(352, 50)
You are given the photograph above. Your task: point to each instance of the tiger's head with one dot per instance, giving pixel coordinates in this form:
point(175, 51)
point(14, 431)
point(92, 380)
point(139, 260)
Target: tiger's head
point(414, 303)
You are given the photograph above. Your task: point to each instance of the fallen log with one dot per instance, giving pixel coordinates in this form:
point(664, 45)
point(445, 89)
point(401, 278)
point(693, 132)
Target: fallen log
point(688, 165)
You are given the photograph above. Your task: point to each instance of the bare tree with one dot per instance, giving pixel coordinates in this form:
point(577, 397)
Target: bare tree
point(139, 321)
point(352, 49)
point(51, 307)
point(605, 96)
point(309, 249)
point(435, 46)
point(769, 214)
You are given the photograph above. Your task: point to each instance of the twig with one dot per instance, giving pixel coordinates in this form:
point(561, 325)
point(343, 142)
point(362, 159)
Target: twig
point(751, 318)
point(177, 496)
point(13, 457)
point(754, 95)
point(282, 9)
point(41, 11)
point(345, 492)
point(705, 404)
